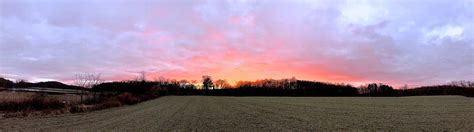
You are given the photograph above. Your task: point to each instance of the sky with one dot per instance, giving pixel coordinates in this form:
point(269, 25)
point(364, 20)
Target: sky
point(397, 42)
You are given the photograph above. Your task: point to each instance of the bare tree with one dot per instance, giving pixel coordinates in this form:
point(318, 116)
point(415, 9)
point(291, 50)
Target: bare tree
point(161, 80)
point(293, 83)
point(22, 83)
point(221, 84)
point(141, 76)
point(404, 87)
point(462, 83)
point(87, 81)
point(363, 89)
point(194, 82)
point(183, 83)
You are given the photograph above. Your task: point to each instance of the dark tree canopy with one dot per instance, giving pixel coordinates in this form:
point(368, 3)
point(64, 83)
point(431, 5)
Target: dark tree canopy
point(207, 82)
point(266, 87)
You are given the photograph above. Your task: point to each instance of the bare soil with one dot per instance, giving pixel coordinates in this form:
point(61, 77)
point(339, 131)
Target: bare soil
point(267, 113)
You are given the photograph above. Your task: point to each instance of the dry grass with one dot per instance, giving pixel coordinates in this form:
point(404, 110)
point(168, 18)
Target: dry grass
point(268, 113)
point(6, 96)
point(34, 102)
point(15, 104)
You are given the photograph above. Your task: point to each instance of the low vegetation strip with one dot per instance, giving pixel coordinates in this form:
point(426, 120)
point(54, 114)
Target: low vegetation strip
point(47, 90)
point(263, 113)
point(20, 104)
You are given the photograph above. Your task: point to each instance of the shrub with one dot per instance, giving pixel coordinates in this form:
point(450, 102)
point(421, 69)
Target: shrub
point(128, 98)
point(110, 102)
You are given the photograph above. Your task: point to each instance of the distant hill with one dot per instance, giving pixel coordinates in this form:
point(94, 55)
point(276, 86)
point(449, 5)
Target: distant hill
point(6, 83)
point(22, 84)
point(55, 84)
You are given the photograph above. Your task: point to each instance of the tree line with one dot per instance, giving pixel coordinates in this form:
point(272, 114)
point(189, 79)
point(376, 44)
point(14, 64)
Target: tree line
point(277, 87)
point(264, 87)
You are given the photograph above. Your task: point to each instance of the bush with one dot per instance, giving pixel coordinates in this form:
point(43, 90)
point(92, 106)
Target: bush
point(111, 102)
point(78, 108)
point(128, 98)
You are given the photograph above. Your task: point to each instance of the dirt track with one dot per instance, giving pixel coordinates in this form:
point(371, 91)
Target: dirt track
point(281, 113)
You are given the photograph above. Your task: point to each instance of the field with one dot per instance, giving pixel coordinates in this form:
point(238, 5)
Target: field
point(261, 113)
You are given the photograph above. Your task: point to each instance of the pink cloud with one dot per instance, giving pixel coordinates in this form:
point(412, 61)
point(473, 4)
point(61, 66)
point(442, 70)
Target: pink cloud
point(237, 40)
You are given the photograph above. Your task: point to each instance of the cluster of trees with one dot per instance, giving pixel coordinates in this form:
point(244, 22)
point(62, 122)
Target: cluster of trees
point(438, 90)
point(269, 83)
point(464, 88)
point(265, 87)
point(287, 87)
point(374, 89)
point(462, 83)
point(207, 83)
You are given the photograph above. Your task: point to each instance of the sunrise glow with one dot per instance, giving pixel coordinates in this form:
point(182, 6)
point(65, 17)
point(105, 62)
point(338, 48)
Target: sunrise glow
point(394, 42)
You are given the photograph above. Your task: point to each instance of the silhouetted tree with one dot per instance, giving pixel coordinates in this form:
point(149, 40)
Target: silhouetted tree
point(207, 82)
point(141, 76)
point(161, 80)
point(22, 83)
point(373, 88)
point(380, 90)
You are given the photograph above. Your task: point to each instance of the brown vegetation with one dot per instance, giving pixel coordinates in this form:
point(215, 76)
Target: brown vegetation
point(14, 104)
point(24, 104)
